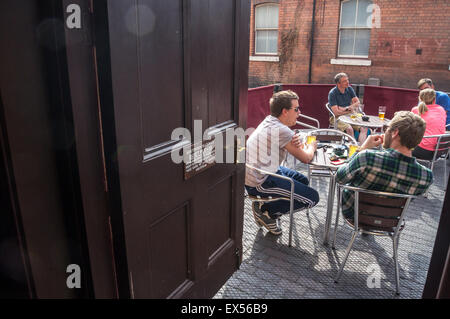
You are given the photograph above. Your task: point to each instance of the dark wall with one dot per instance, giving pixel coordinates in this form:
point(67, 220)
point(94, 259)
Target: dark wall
point(39, 145)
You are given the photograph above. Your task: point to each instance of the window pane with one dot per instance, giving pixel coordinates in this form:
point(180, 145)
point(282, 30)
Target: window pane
point(261, 41)
point(266, 17)
point(272, 17)
point(260, 16)
point(346, 38)
point(348, 13)
point(363, 15)
point(362, 42)
point(272, 42)
point(266, 42)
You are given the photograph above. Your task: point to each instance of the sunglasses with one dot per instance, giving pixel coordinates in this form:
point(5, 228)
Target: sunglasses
point(295, 108)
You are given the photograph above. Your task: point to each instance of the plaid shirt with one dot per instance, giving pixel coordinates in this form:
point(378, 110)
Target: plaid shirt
point(386, 170)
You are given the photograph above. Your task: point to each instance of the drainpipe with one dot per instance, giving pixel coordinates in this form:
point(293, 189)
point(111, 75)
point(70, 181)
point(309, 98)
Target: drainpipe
point(312, 42)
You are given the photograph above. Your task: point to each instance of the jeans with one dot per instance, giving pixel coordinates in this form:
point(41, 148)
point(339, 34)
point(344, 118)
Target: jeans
point(304, 196)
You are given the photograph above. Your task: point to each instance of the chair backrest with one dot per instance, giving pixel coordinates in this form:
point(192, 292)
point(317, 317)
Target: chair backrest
point(331, 135)
point(442, 145)
point(330, 111)
point(378, 211)
point(310, 119)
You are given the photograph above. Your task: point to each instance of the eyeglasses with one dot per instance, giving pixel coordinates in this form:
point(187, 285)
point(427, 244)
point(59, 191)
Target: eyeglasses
point(295, 108)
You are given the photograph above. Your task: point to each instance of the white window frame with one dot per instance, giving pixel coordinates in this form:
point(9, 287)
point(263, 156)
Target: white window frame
point(355, 28)
point(267, 29)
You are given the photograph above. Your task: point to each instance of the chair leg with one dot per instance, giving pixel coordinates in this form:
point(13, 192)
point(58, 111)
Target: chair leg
point(426, 192)
point(349, 248)
point(336, 224)
point(397, 275)
point(445, 173)
point(291, 218)
point(309, 180)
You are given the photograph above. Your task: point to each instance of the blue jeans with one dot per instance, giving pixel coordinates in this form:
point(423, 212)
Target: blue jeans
point(304, 196)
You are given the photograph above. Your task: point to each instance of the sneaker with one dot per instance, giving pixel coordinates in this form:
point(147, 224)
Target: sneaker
point(257, 213)
point(272, 225)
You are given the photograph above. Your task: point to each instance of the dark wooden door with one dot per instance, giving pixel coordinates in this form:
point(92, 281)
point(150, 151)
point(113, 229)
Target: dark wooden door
point(162, 65)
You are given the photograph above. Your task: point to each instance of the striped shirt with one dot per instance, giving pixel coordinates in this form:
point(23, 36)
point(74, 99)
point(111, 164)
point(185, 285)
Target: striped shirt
point(265, 149)
point(382, 170)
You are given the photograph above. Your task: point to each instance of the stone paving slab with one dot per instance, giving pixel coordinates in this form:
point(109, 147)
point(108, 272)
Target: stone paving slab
point(271, 269)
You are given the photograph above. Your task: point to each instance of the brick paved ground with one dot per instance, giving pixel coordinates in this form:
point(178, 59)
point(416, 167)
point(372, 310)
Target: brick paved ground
point(270, 269)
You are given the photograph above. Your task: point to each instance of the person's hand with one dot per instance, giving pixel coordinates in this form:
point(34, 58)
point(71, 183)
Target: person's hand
point(297, 141)
point(313, 146)
point(372, 141)
point(354, 107)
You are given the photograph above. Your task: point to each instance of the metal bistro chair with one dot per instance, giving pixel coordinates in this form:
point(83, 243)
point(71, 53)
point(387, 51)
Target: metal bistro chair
point(376, 213)
point(308, 125)
point(273, 199)
point(441, 152)
point(332, 114)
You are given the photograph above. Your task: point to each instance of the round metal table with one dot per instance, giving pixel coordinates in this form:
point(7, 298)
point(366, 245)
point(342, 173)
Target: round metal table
point(373, 122)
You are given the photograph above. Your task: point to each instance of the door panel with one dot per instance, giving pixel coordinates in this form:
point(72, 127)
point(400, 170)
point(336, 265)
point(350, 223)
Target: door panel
point(219, 217)
point(173, 62)
point(160, 62)
point(170, 272)
point(221, 59)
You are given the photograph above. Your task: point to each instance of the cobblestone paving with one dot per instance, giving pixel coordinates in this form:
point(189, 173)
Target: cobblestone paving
point(271, 269)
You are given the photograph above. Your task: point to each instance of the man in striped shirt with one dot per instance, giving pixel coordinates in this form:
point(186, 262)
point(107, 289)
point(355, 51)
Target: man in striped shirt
point(266, 149)
point(393, 169)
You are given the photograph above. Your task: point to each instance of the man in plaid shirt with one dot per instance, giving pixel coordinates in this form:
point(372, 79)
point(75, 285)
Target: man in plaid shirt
point(392, 169)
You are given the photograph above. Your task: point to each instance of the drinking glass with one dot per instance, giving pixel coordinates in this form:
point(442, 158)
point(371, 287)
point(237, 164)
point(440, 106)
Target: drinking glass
point(352, 149)
point(310, 139)
point(381, 112)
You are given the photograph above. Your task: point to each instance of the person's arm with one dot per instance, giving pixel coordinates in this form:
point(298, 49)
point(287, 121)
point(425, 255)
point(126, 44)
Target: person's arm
point(347, 172)
point(305, 154)
point(355, 103)
point(355, 100)
point(339, 110)
point(372, 141)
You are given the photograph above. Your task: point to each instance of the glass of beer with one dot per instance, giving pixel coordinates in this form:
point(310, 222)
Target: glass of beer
point(310, 139)
point(381, 112)
point(352, 149)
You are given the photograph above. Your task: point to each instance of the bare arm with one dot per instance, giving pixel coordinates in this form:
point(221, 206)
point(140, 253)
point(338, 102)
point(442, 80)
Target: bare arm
point(305, 153)
point(355, 103)
point(339, 110)
point(372, 141)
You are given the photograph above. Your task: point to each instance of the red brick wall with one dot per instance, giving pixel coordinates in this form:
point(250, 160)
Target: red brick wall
point(405, 26)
